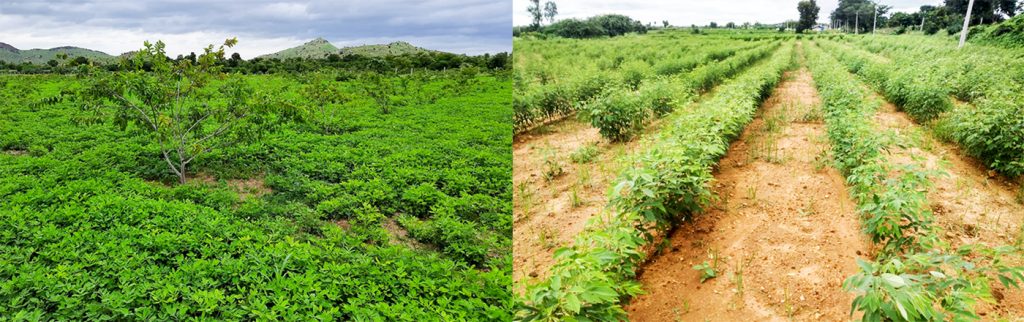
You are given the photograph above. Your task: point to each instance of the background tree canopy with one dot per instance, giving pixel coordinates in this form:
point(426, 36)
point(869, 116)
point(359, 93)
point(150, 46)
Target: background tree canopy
point(808, 15)
point(610, 25)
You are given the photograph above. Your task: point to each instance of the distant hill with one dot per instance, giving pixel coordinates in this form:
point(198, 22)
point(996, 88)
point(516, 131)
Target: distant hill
point(395, 48)
point(321, 48)
point(317, 48)
point(12, 54)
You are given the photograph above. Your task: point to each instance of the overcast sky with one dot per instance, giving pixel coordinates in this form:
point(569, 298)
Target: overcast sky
point(262, 26)
point(698, 12)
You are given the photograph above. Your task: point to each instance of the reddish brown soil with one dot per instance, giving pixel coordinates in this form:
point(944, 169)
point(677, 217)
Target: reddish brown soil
point(785, 232)
point(246, 188)
point(545, 217)
point(971, 204)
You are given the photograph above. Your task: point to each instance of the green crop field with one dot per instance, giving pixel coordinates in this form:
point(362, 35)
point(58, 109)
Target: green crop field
point(705, 189)
point(334, 195)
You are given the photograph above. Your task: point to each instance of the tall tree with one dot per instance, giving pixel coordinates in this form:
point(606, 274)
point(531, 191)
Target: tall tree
point(855, 13)
point(550, 11)
point(987, 10)
point(808, 15)
point(535, 12)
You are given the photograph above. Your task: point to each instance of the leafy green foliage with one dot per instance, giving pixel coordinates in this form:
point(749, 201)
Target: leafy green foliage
point(923, 97)
point(990, 128)
point(558, 77)
point(916, 278)
point(174, 102)
point(707, 271)
point(111, 242)
point(619, 116)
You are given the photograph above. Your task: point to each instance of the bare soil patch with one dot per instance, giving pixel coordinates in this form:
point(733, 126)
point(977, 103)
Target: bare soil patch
point(784, 233)
point(548, 214)
point(249, 188)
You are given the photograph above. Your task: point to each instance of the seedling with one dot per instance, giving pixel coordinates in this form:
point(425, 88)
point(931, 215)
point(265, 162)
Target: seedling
point(546, 238)
point(574, 197)
point(584, 154)
point(682, 309)
point(526, 199)
point(737, 279)
point(583, 177)
point(708, 270)
point(551, 167)
point(788, 304)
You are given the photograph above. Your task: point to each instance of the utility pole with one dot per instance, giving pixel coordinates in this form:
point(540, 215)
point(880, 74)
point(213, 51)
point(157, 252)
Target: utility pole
point(874, 23)
point(856, 23)
point(921, 29)
point(967, 20)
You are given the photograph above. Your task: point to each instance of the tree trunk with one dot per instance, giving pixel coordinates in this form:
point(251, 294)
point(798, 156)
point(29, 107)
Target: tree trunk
point(181, 173)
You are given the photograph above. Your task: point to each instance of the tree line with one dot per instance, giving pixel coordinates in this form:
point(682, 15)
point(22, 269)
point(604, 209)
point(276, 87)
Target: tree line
point(609, 25)
point(235, 64)
point(858, 15)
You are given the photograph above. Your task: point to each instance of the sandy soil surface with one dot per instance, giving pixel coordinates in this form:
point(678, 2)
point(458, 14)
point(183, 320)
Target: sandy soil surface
point(784, 233)
point(549, 213)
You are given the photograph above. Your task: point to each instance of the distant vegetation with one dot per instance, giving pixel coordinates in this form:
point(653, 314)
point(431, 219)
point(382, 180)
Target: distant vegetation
point(311, 56)
point(610, 25)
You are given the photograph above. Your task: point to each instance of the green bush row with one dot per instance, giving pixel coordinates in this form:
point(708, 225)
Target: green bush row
point(622, 113)
point(575, 72)
point(991, 79)
point(915, 276)
point(922, 96)
point(668, 182)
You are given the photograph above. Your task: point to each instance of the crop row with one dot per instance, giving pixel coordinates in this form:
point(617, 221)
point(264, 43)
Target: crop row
point(915, 275)
point(621, 113)
point(992, 131)
point(667, 184)
point(970, 73)
point(556, 81)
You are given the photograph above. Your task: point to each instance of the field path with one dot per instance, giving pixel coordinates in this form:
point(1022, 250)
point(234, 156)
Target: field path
point(971, 205)
point(544, 216)
point(784, 232)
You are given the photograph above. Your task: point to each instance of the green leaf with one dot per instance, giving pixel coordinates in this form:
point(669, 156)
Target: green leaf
point(572, 303)
point(893, 280)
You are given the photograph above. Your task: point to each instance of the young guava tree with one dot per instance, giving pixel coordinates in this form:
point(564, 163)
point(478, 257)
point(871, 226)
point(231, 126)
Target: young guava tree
point(187, 107)
point(380, 89)
point(323, 90)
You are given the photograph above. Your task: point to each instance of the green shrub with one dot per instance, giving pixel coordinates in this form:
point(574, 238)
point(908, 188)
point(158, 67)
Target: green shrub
point(619, 115)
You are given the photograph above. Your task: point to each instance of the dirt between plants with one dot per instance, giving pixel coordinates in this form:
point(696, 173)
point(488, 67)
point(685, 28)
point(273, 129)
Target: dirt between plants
point(971, 204)
point(545, 215)
point(784, 233)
